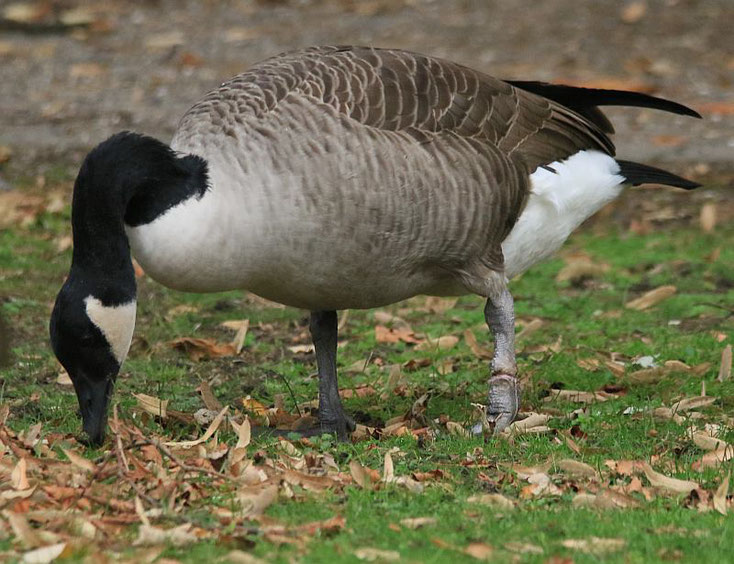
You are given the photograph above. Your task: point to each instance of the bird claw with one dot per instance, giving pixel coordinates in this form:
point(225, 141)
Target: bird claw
point(504, 401)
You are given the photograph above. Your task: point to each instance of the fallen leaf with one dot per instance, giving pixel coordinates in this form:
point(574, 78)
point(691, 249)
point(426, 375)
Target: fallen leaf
point(418, 522)
point(595, 545)
point(166, 40)
point(714, 458)
point(149, 535)
point(456, 429)
point(479, 550)
point(577, 396)
point(530, 424)
point(705, 441)
point(155, 406)
point(198, 349)
point(579, 269)
point(375, 554)
point(388, 471)
point(28, 537)
point(671, 484)
point(523, 548)
point(255, 499)
point(243, 431)
point(63, 378)
point(707, 217)
point(719, 500)
point(577, 468)
point(242, 557)
point(688, 404)
point(471, 341)
point(359, 475)
point(240, 326)
point(529, 329)
point(395, 334)
point(726, 361)
point(443, 343)
point(18, 477)
point(206, 436)
point(651, 298)
point(79, 461)
point(498, 501)
point(44, 555)
point(302, 349)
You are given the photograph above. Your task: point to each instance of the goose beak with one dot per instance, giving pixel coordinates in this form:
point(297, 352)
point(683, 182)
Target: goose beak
point(94, 398)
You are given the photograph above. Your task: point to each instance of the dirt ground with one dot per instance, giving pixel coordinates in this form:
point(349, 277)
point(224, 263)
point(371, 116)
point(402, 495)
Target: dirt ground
point(73, 73)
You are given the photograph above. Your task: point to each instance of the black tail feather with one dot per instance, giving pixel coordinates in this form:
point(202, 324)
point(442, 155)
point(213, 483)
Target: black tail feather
point(637, 173)
point(585, 100)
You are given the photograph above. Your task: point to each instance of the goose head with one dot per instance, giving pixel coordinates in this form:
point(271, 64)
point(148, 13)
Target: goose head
point(91, 339)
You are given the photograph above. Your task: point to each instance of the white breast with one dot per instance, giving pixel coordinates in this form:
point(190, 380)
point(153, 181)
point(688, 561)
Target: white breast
point(558, 203)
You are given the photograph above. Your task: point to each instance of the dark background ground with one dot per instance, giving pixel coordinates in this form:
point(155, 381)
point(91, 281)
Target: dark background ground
point(72, 72)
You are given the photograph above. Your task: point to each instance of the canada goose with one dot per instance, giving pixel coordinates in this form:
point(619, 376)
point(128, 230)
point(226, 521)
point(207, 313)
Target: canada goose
point(333, 178)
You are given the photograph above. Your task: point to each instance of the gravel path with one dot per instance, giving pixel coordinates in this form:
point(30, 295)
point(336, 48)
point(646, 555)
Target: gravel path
point(76, 74)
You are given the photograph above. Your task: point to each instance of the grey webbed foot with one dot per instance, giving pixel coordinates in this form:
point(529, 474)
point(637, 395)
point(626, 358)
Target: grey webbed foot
point(504, 401)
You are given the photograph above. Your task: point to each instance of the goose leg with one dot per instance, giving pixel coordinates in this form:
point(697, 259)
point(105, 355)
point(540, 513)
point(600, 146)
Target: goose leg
point(504, 392)
point(332, 418)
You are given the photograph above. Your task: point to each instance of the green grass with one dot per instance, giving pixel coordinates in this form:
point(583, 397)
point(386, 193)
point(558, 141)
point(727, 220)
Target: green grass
point(591, 320)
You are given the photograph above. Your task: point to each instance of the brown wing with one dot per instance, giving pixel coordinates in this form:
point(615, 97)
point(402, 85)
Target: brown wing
point(437, 103)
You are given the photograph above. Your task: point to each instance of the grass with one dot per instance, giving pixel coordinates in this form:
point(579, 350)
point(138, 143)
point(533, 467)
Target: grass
point(588, 317)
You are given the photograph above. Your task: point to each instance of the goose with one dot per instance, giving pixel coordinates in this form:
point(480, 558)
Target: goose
point(333, 178)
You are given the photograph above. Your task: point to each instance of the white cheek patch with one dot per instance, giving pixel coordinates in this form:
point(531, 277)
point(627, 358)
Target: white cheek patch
point(115, 322)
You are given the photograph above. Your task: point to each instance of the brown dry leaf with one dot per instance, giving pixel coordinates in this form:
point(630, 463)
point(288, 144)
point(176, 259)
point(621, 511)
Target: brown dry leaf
point(688, 404)
point(155, 406)
point(523, 548)
point(529, 328)
point(198, 349)
point(706, 441)
point(722, 491)
point(479, 351)
point(63, 378)
point(45, 554)
point(443, 343)
point(498, 501)
point(725, 368)
point(359, 474)
point(595, 545)
point(240, 326)
point(17, 208)
point(19, 478)
point(376, 554)
point(577, 396)
point(253, 406)
point(28, 537)
point(669, 140)
point(149, 535)
point(531, 423)
point(590, 364)
point(79, 461)
point(651, 298)
point(434, 304)
point(456, 429)
point(479, 550)
point(302, 349)
point(707, 217)
point(580, 268)
point(208, 397)
point(671, 484)
point(577, 468)
point(714, 458)
point(206, 436)
point(418, 522)
point(256, 499)
point(163, 41)
point(242, 557)
point(388, 470)
point(243, 431)
point(395, 334)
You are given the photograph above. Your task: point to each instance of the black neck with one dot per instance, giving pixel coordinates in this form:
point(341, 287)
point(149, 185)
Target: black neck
point(128, 179)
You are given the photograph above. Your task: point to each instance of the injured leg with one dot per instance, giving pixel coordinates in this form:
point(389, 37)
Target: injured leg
point(504, 392)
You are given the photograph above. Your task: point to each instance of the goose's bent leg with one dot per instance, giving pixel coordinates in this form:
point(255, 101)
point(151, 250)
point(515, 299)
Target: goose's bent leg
point(332, 418)
point(504, 392)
